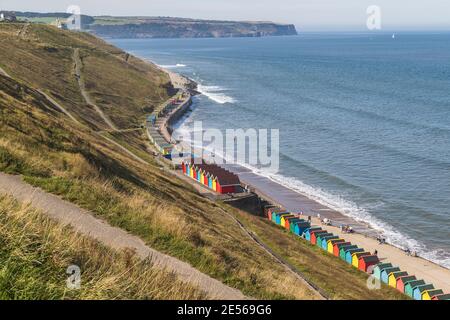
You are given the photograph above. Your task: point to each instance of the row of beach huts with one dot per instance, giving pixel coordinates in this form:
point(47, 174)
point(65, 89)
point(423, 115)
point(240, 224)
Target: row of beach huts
point(212, 176)
point(153, 123)
point(357, 257)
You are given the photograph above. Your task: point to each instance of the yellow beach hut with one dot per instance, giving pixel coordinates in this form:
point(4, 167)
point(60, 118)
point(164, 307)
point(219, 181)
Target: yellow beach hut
point(283, 219)
point(356, 256)
point(331, 243)
point(392, 280)
point(429, 294)
point(215, 184)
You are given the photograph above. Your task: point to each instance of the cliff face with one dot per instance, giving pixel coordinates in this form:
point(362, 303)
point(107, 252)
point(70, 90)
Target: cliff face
point(184, 28)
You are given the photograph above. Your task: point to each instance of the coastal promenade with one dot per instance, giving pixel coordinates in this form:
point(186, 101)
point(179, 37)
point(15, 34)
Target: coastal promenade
point(293, 201)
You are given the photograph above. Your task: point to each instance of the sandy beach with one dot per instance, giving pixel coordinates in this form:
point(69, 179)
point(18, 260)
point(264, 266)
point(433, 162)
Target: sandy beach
point(364, 236)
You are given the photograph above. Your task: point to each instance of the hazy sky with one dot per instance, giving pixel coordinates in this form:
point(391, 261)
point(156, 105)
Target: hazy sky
point(305, 14)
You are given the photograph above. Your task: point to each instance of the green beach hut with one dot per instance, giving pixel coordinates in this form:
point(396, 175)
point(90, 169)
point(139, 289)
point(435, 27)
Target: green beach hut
point(380, 267)
point(343, 249)
point(409, 287)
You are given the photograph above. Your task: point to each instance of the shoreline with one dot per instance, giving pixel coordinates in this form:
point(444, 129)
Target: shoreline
point(364, 235)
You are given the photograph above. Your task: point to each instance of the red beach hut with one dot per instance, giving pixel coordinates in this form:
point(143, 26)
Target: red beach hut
point(402, 281)
point(337, 247)
point(315, 234)
point(367, 263)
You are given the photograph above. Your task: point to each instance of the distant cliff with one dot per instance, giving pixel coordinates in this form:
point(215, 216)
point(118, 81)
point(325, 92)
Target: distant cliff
point(110, 27)
point(165, 27)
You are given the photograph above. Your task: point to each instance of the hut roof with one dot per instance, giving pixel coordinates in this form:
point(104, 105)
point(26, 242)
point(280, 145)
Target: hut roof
point(442, 297)
point(369, 259)
point(225, 177)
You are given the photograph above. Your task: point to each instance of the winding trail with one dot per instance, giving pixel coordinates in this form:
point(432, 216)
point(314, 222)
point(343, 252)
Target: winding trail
point(78, 74)
point(49, 99)
point(85, 223)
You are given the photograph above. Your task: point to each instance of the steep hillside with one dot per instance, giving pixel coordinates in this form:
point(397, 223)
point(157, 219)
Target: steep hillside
point(49, 150)
point(57, 146)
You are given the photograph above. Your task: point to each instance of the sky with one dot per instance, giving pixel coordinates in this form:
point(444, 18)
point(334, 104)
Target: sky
point(307, 15)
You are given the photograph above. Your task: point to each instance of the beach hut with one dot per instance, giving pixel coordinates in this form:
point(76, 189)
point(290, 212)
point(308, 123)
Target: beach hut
point(320, 236)
point(215, 184)
point(210, 181)
point(429, 294)
point(315, 234)
point(402, 281)
point(337, 247)
point(343, 250)
point(183, 167)
point(284, 218)
point(392, 279)
point(441, 297)
point(290, 224)
point(417, 292)
point(368, 263)
point(307, 232)
point(379, 268)
point(386, 272)
point(279, 216)
point(300, 227)
point(276, 214)
point(292, 221)
point(349, 254)
point(409, 287)
point(356, 256)
point(332, 242)
point(325, 241)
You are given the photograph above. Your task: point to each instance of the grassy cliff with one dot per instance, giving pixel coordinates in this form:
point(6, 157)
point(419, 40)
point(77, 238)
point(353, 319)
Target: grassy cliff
point(72, 159)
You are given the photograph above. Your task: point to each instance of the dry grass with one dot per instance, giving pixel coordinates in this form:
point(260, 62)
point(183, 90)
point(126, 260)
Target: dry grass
point(73, 162)
point(35, 253)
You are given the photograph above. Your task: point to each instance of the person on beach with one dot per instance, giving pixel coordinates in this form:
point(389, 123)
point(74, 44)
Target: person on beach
point(309, 219)
point(375, 253)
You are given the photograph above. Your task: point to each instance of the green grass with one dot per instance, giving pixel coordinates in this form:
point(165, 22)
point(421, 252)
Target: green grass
point(35, 253)
point(142, 199)
point(72, 161)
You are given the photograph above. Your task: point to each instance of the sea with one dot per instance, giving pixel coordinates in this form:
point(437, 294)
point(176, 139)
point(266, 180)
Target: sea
point(363, 119)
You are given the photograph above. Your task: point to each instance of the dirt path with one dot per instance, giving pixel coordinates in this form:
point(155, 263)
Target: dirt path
point(85, 223)
point(78, 74)
point(49, 99)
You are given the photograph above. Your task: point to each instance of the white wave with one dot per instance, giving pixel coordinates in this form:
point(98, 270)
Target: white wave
point(215, 93)
point(173, 66)
point(339, 204)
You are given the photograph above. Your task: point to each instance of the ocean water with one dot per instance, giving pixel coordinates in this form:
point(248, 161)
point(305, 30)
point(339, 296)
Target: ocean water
point(364, 119)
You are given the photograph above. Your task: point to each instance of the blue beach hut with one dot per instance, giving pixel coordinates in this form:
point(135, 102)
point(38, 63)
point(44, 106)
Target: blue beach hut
point(344, 249)
point(350, 252)
point(293, 222)
point(279, 216)
point(325, 241)
point(307, 232)
point(411, 285)
point(386, 272)
point(417, 292)
point(321, 236)
point(300, 227)
point(380, 267)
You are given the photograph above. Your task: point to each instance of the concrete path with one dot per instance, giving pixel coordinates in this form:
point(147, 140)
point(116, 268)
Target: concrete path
point(85, 223)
